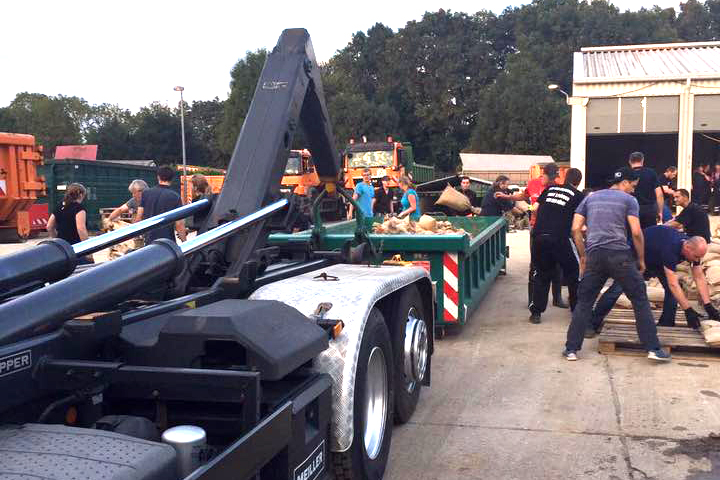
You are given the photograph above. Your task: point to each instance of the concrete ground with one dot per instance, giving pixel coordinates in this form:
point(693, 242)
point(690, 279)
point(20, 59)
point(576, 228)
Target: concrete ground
point(504, 404)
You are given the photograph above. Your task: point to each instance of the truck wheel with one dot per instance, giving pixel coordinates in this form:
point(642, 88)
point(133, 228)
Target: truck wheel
point(372, 407)
point(410, 347)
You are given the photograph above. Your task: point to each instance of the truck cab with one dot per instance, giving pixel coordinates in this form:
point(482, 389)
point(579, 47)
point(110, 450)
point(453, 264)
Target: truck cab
point(382, 158)
point(299, 175)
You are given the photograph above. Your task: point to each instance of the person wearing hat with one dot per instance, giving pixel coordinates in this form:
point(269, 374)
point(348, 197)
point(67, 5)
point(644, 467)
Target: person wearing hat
point(608, 214)
point(532, 192)
point(649, 192)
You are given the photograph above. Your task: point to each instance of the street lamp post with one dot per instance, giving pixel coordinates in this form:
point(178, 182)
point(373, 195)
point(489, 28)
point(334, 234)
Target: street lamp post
point(554, 86)
point(182, 131)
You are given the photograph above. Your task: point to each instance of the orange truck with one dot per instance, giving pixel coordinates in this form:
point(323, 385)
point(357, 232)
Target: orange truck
point(20, 184)
point(383, 158)
point(301, 181)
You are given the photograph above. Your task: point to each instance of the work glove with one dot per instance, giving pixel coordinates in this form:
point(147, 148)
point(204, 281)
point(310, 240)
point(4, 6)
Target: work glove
point(712, 313)
point(693, 318)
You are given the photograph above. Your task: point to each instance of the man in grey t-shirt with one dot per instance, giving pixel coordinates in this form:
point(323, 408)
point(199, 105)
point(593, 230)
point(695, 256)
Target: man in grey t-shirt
point(606, 254)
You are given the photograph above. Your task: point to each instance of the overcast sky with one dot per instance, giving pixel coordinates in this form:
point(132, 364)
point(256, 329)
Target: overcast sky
point(135, 52)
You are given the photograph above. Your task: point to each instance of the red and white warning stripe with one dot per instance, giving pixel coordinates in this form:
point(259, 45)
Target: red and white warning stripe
point(450, 288)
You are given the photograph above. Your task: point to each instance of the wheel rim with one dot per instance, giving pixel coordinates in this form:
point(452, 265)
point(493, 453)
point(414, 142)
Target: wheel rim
point(416, 349)
point(376, 400)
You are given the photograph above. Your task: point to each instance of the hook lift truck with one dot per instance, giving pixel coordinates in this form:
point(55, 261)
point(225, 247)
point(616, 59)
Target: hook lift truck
point(220, 358)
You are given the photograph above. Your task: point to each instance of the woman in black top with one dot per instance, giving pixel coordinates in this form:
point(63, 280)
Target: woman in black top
point(493, 206)
point(68, 220)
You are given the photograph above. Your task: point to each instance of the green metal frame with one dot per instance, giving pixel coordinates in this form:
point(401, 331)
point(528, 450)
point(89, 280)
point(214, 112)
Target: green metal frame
point(481, 256)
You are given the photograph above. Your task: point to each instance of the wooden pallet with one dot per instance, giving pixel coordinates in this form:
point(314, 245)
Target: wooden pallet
point(627, 317)
point(684, 343)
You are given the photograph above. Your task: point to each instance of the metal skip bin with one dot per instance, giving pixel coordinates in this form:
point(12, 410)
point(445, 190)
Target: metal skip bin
point(462, 267)
point(20, 185)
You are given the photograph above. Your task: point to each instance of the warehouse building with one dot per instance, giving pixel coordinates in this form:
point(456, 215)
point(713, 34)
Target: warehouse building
point(663, 100)
point(487, 166)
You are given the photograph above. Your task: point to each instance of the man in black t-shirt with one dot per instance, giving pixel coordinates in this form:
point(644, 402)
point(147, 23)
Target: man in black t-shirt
point(384, 198)
point(493, 206)
point(465, 190)
point(159, 200)
point(551, 244)
point(693, 219)
point(668, 183)
point(648, 192)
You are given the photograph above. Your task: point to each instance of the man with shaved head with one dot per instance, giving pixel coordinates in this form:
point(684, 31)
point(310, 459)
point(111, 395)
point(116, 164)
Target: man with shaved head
point(665, 248)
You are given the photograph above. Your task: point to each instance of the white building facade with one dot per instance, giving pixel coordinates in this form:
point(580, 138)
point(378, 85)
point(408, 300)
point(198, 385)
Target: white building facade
point(663, 100)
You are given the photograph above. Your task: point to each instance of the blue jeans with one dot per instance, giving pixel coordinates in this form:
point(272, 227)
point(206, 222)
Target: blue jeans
point(619, 265)
point(607, 302)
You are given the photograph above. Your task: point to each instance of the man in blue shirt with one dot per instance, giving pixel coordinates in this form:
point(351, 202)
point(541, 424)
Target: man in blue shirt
point(606, 254)
point(665, 248)
point(364, 195)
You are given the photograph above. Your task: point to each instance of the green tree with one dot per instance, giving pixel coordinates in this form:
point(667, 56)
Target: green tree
point(47, 118)
point(694, 22)
point(157, 135)
point(244, 77)
point(203, 119)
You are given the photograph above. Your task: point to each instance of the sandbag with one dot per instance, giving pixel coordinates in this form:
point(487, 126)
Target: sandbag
point(713, 248)
point(710, 256)
point(655, 294)
point(712, 335)
point(711, 263)
point(708, 324)
point(454, 199)
point(712, 275)
point(427, 222)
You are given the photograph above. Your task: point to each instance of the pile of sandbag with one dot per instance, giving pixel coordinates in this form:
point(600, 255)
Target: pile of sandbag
point(120, 249)
point(711, 331)
point(655, 293)
point(427, 225)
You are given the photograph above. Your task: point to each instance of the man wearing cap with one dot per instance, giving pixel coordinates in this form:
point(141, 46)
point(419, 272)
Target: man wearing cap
point(606, 254)
point(532, 192)
point(649, 192)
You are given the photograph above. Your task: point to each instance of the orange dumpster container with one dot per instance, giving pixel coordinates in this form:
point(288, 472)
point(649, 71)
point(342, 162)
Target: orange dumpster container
point(215, 182)
point(20, 184)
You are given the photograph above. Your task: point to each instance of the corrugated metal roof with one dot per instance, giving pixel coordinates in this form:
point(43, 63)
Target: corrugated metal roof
point(645, 62)
point(491, 162)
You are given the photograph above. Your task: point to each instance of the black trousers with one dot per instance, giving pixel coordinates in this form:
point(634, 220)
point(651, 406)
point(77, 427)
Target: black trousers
point(549, 254)
point(557, 279)
point(620, 265)
point(648, 215)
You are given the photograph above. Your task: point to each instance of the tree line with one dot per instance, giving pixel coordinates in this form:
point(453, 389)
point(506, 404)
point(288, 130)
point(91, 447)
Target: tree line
point(449, 82)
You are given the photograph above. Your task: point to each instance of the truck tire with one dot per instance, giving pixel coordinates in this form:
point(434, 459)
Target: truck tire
point(372, 407)
point(409, 333)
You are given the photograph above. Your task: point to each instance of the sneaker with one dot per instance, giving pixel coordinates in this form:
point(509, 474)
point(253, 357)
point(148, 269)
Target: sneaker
point(570, 356)
point(534, 318)
point(659, 355)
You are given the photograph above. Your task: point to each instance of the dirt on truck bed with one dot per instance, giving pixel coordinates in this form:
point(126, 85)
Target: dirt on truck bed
point(504, 404)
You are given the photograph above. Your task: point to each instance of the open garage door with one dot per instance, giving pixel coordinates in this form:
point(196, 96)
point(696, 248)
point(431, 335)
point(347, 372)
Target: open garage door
point(607, 153)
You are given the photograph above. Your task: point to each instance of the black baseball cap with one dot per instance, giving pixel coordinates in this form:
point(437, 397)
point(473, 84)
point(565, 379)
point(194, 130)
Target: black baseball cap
point(625, 173)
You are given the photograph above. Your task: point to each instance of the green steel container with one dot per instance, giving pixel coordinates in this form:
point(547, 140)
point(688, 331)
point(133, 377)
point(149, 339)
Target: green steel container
point(462, 267)
point(106, 182)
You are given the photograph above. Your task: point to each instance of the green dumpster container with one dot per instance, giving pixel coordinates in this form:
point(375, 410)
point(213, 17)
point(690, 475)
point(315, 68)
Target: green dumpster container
point(106, 183)
point(462, 267)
